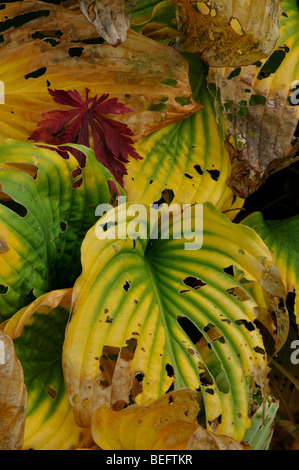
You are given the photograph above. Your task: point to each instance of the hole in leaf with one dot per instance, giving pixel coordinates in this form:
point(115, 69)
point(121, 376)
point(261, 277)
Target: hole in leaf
point(20, 20)
point(158, 107)
point(236, 26)
point(234, 73)
point(107, 225)
point(205, 380)
point(3, 289)
point(209, 327)
point(215, 423)
point(63, 226)
point(127, 285)
point(198, 169)
point(229, 270)
point(168, 81)
point(240, 294)
point(182, 100)
point(14, 206)
point(36, 73)
point(167, 197)
point(75, 51)
point(98, 40)
point(248, 324)
point(273, 63)
point(214, 174)
point(259, 350)
point(139, 376)
point(170, 370)
point(257, 99)
point(194, 282)
point(190, 329)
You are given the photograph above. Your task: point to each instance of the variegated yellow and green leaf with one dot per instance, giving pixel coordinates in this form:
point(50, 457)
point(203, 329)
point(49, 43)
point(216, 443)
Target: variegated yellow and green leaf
point(185, 162)
point(259, 105)
point(282, 238)
point(38, 334)
point(141, 306)
point(155, 19)
point(44, 215)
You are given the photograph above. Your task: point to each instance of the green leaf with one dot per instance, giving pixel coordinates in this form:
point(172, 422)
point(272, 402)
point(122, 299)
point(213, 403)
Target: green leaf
point(155, 19)
point(38, 333)
point(282, 238)
point(44, 215)
point(260, 433)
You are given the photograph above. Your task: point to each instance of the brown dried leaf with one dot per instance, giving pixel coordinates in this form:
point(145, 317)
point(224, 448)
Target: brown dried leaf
point(13, 396)
point(202, 439)
point(261, 119)
point(116, 381)
point(109, 17)
point(228, 33)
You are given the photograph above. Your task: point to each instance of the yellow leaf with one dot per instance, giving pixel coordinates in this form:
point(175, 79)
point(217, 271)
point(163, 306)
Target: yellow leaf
point(166, 424)
point(60, 49)
point(185, 161)
point(141, 304)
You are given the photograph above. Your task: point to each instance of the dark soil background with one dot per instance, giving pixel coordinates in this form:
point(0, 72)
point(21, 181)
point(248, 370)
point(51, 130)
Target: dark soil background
point(278, 197)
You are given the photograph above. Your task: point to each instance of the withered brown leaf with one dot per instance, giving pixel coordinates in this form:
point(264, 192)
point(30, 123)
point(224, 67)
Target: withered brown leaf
point(13, 396)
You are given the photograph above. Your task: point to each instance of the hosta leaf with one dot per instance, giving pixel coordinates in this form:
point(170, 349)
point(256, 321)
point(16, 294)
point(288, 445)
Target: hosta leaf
point(260, 433)
point(38, 333)
point(166, 424)
point(44, 215)
point(50, 46)
point(228, 33)
point(13, 396)
point(155, 19)
point(170, 423)
point(258, 103)
point(110, 18)
point(282, 238)
point(141, 306)
point(202, 439)
point(186, 161)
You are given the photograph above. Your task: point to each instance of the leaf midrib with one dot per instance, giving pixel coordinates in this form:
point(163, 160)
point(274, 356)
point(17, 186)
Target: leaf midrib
point(178, 379)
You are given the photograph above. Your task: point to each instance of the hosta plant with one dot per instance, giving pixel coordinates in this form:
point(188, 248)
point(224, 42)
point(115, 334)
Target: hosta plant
point(147, 302)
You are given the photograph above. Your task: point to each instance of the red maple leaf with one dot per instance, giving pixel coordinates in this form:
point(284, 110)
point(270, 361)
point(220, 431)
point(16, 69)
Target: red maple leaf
point(112, 141)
